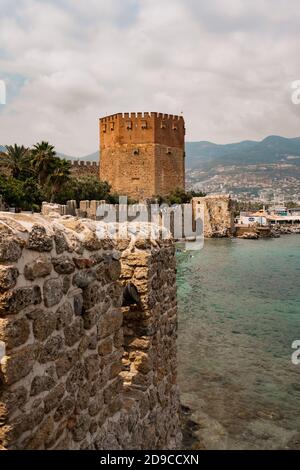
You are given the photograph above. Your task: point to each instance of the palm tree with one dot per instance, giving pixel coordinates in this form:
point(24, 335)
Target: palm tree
point(43, 160)
point(16, 159)
point(60, 175)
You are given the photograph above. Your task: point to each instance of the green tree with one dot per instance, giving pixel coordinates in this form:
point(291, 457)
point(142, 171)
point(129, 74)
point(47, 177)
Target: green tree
point(43, 160)
point(59, 177)
point(24, 195)
point(17, 159)
point(84, 188)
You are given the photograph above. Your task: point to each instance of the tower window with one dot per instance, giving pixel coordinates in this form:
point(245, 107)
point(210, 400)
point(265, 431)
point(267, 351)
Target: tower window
point(136, 152)
point(174, 127)
point(168, 151)
point(112, 126)
point(163, 125)
point(129, 125)
point(103, 127)
point(144, 124)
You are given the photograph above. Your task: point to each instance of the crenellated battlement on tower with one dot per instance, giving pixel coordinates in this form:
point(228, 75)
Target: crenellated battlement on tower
point(81, 168)
point(142, 128)
point(141, 115)
point(84, 163)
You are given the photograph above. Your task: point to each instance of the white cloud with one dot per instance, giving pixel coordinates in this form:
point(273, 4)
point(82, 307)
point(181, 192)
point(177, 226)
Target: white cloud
point(227, 65)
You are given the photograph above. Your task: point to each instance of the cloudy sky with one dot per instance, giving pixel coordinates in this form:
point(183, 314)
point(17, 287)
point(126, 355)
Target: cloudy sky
point(226, 64)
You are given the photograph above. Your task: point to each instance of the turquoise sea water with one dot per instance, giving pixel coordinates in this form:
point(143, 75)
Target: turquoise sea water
point(239, 312)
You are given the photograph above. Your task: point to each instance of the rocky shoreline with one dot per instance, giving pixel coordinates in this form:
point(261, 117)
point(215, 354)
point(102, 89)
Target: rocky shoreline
point(275, 232)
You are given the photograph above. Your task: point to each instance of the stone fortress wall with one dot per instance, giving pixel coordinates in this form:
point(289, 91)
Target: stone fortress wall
point(79, 367)
point(217, 212)
point(218, 215)
point(142, 154)
point(81, 168)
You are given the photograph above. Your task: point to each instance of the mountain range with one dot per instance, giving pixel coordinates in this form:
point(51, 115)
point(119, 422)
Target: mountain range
point(207, 155)
point(272, 149)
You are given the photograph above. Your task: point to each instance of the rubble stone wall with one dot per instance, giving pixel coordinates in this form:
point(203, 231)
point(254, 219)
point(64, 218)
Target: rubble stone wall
point(80, 168)
point(78, 370)
point(218, 215)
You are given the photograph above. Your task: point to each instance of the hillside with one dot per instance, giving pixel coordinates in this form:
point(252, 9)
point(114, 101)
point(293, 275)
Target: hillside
point(272, 149)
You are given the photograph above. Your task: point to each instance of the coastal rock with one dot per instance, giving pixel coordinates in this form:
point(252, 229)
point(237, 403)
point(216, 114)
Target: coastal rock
point(249, 236)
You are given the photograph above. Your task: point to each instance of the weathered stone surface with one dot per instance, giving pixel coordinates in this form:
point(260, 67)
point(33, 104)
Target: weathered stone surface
point(12, 399)
point(51, 349)
point(81, 427)
point(84, 278)
point(41, 384)
point(64, 315)
point(96, 405)
point(10, 248)
point(92, 242)
point(15, 300)
point(91, 317)
point(8, 277)
point(76, 378)
point(41, 438)
point(14, 332)
point(63, 265)
point(26, 422)
point(39, 240)
point(140, 259)
point(66, 361)
point(61, 243)
point(119, 339)
point(138, 343)
point(113, 269)
point(17, 365)
point(83, 397)
point(105, 346)
point(110, 323)
point(40, 267)
point(91, 365)
point(115, 370)
point(78, 304)
point(54, 397)
point(66, 284)
point(218, 215)
point(83, 263)
point(112, 390)
point(44, 324)
point(143, 363)
point(74, 331)
point(92, 295)
point(52, 292)
point(65, 408)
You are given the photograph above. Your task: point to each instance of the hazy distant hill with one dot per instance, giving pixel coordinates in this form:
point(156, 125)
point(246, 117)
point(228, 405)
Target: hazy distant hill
point(270, 150)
